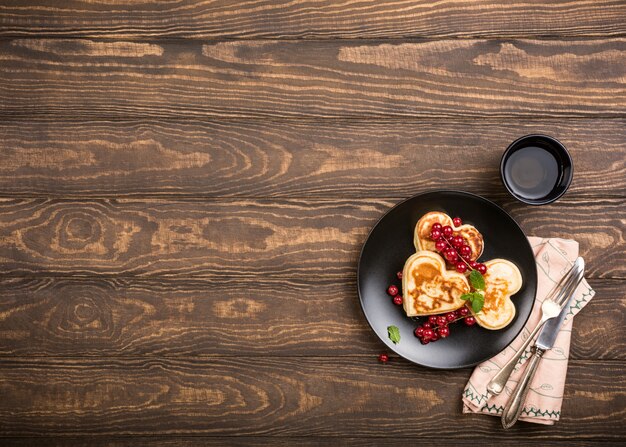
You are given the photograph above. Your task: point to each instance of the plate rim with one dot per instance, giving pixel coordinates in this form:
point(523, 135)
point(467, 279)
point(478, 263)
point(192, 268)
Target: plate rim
point(358, 275)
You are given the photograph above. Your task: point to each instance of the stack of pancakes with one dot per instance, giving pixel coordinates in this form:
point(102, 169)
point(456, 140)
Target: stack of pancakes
point(429, 288)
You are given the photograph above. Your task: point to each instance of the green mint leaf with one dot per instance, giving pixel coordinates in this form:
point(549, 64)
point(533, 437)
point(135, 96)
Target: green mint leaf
point(466, 296)
point(477, 280)
point(394, 334)
point(477, 302)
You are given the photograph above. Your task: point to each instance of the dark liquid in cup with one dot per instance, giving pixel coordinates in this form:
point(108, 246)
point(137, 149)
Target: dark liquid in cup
point(531, 172)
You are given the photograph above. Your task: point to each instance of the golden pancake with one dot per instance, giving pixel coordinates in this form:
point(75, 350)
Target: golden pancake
point(502, 280)
point(422, 241)
point(428, 288)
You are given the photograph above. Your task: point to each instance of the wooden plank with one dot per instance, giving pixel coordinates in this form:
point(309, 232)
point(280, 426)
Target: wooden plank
point(319, 19)
point(269, 240)
point(113, 317)
point(282, 397)
point(253, 441)
point(290, 159)
point(326, 79)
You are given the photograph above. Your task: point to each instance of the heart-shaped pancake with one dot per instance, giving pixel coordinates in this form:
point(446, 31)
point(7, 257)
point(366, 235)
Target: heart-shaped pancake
point(502, 280)
point(428, 288)
point(422, 241)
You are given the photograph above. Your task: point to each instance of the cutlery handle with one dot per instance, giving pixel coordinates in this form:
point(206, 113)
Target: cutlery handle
point(514, 406)
point(496, 385)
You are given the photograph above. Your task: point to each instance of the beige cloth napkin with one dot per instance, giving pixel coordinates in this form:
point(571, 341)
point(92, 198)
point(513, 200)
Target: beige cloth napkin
point(554, 257)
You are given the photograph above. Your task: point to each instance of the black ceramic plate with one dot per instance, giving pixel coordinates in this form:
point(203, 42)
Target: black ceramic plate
point(390, 243)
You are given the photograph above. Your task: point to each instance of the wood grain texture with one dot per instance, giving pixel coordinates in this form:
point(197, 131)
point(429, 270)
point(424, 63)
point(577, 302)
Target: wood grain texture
point(325, 79)
point(184, 191)
point(312, 19)
point(125, 317)
point(293, 159)
point(281, 397)
point(279, 240)
point(259, 441)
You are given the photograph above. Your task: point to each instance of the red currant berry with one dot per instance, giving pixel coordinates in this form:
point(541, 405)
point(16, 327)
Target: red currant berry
point(392, 290)
point(435, 234)
point(424, 341)
point(460, 267)
point(440, 245)
point(469, 321)
point(451, 316)
point(463, 311)
point(383, 358)
point(436, 226)
point(447, 231)
point(442, 320)
point(473, 265)
point(428, 334)
point(419, 331)
point(444, 332)
point(435, 337)
point(427, 326)
point(397, 300)
point(465, 251)
point(482, 268)
point(457, 241)
point(432, 320)
point(399, 275)
point(457, 221)
point(451, 255)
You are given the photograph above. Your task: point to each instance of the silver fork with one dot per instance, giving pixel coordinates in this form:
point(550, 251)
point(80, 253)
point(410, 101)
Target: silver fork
point(550, 308)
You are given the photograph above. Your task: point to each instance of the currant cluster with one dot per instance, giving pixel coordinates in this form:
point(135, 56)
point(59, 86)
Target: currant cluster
point(395, 293)
point(438, 326)
point(453, 247)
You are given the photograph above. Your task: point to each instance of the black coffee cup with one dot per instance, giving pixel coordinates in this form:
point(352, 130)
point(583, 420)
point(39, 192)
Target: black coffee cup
point(536, 169)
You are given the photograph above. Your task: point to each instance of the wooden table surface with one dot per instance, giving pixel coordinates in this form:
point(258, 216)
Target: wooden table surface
point(185, 187)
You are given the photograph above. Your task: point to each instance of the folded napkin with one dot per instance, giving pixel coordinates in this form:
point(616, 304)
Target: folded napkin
point(554, 257)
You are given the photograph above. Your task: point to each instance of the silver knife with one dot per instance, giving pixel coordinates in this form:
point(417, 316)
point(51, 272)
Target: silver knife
point(545, 341)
